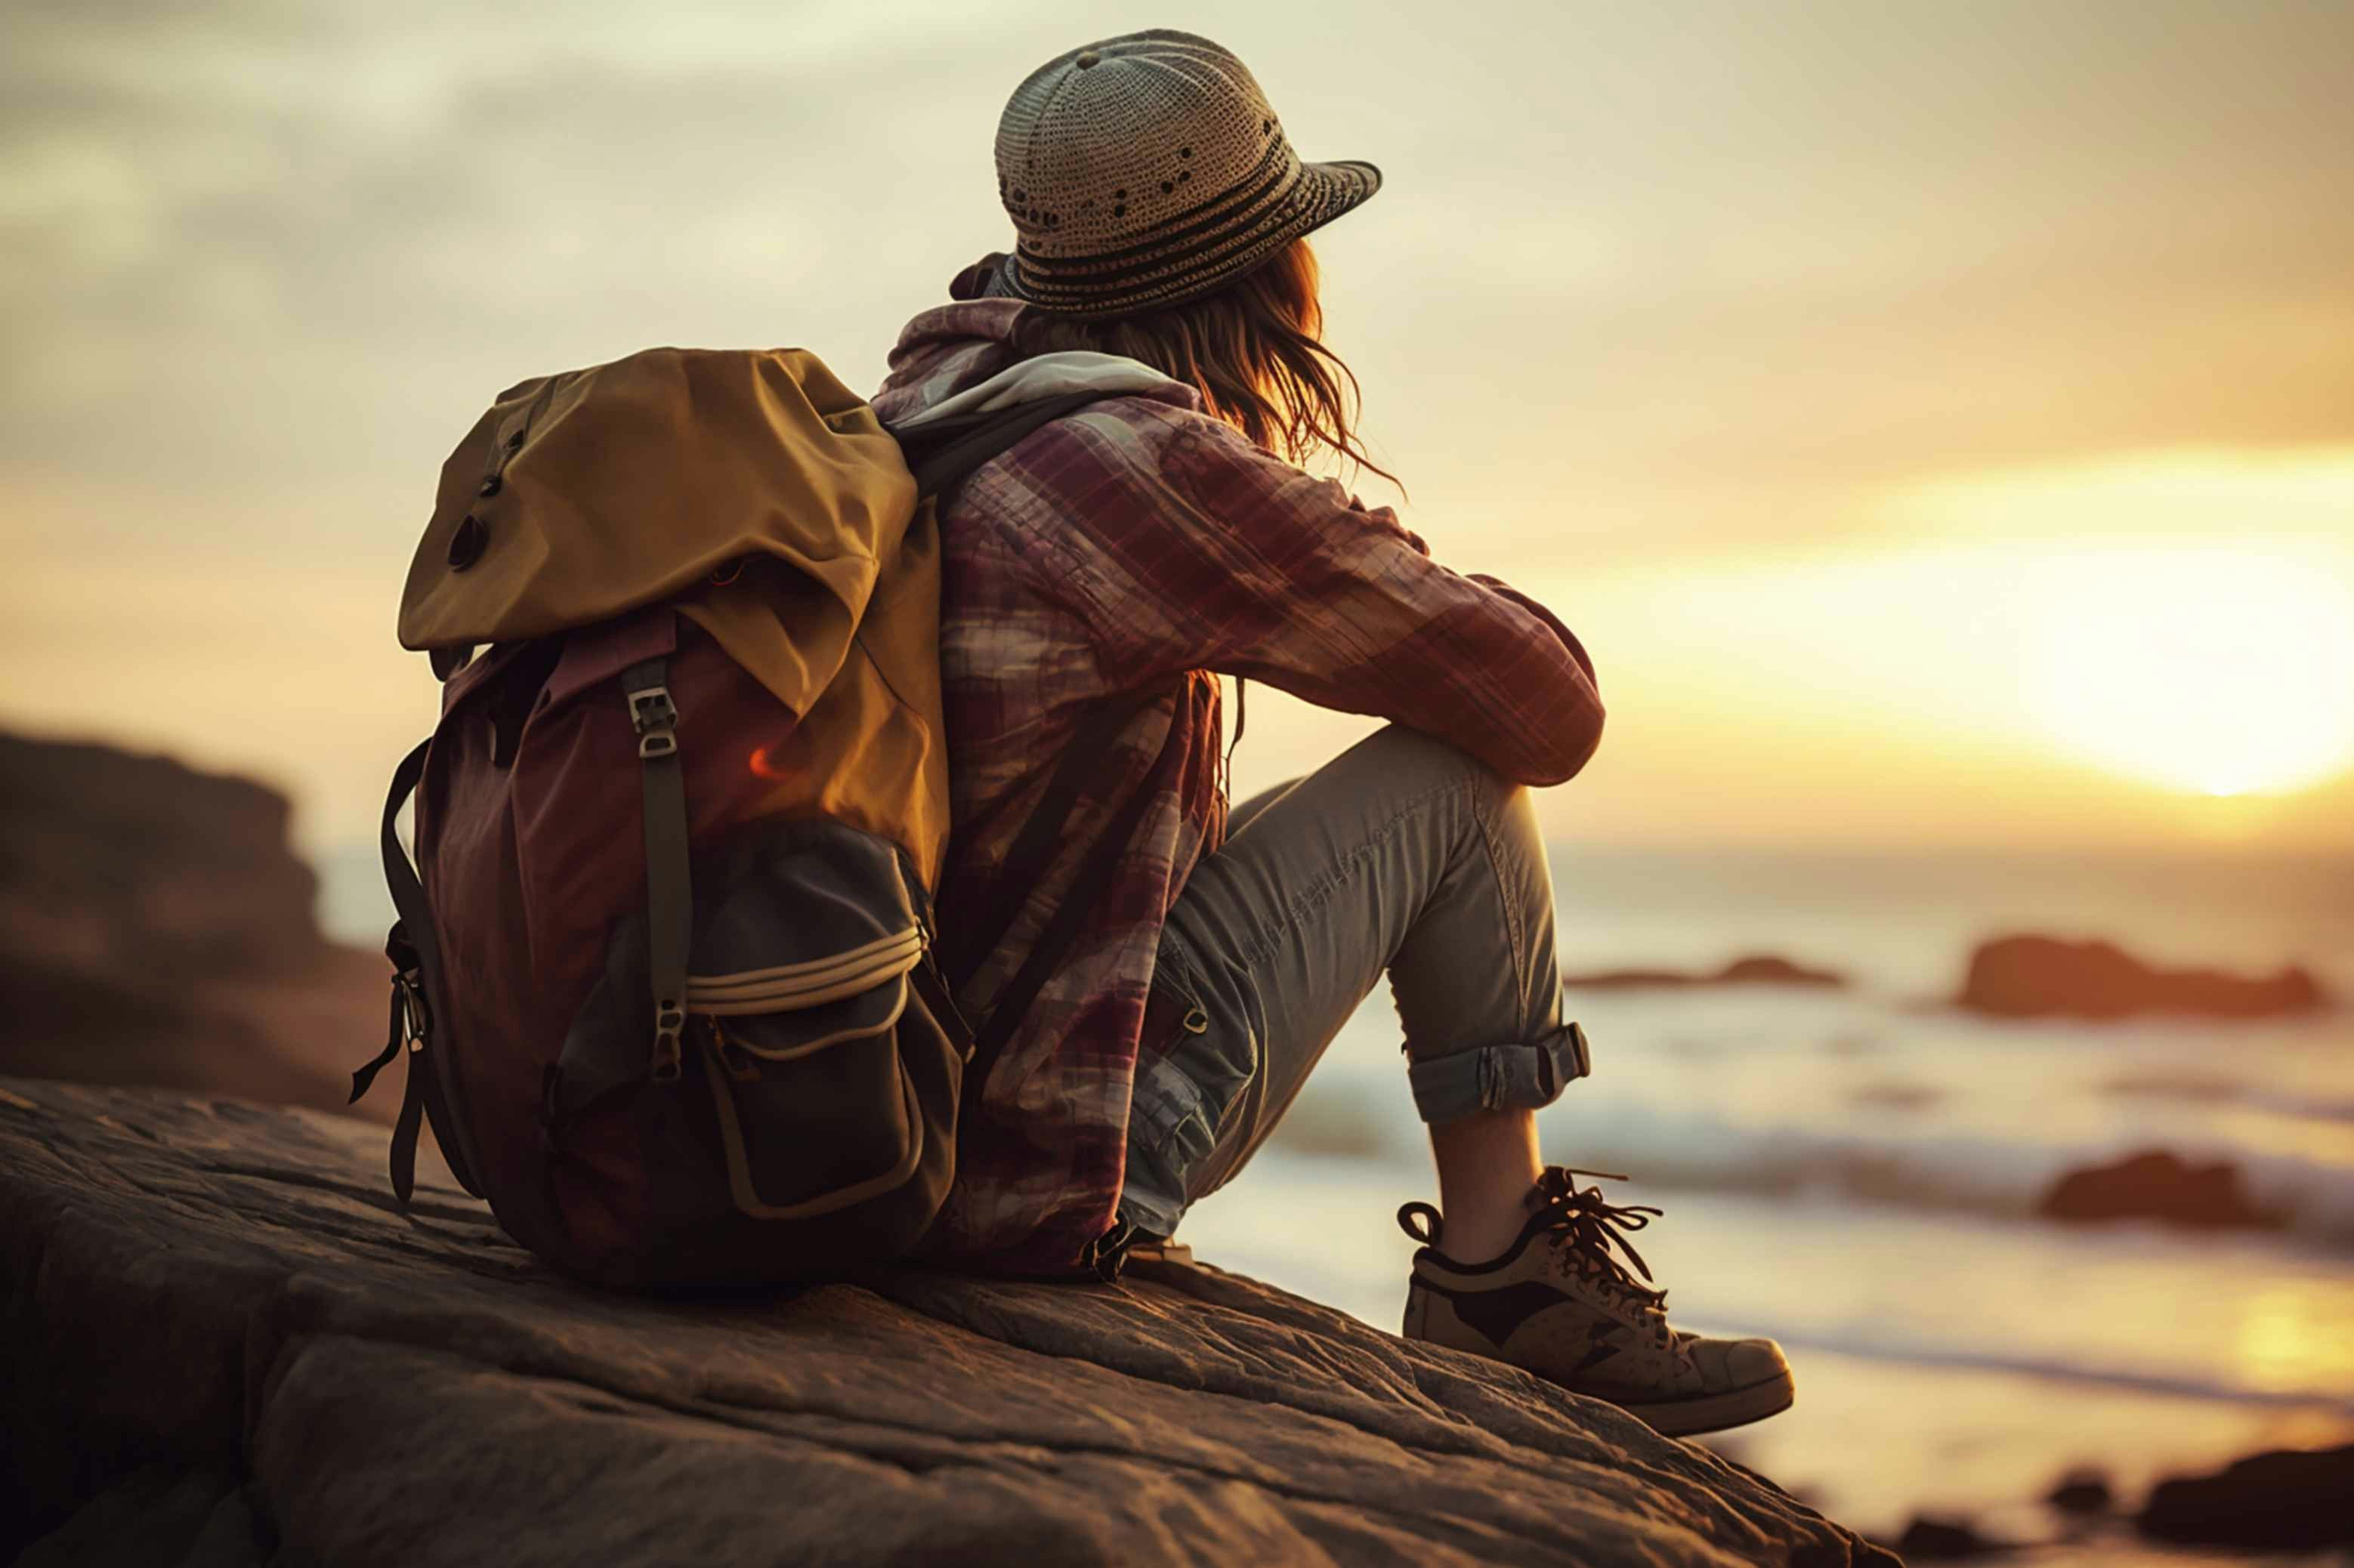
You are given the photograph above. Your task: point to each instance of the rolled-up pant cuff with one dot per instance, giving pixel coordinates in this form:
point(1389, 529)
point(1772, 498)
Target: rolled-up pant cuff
point(1499, 1078)
point(1151, 1211)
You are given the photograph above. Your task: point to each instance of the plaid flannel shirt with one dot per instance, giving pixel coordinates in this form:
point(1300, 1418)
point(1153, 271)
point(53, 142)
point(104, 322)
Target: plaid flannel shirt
point(1136, 550)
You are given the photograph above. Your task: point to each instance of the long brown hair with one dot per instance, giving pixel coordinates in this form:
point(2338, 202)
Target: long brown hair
point(1252, 350)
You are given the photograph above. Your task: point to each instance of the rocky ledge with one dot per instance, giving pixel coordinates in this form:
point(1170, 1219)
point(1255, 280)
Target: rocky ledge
point(227, 1348)
point(157, 928)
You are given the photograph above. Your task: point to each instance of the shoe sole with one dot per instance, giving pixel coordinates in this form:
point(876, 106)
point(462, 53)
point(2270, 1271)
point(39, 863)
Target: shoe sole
point(1700, 1413)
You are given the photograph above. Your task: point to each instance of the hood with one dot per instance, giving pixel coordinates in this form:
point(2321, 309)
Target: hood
point(960, 358)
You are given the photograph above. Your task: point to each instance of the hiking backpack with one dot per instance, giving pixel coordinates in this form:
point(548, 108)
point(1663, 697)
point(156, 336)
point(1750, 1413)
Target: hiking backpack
point(666, 971)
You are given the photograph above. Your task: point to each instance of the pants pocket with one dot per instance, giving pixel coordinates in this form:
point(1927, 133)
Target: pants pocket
point(1194, 1070)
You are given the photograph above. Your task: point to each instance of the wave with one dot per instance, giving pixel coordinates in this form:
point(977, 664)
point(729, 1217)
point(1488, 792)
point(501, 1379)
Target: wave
point(1846, 1342)
point(1856, 1159)
point(2313, 1202)
point(2195, 1088)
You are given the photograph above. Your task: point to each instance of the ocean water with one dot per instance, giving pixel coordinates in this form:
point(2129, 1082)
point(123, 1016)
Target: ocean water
point(1856, 1171)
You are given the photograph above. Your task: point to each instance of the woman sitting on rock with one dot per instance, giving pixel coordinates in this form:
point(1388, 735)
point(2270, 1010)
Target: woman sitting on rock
point(1097, 578)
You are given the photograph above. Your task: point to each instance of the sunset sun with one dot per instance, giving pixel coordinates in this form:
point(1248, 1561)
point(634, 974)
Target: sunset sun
point(2221, 671)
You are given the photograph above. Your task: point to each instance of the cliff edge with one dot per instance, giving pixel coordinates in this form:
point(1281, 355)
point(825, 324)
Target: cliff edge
point(157, 928)
point(226, 1348)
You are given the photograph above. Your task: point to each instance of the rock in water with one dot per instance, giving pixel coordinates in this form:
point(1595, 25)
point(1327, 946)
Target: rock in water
point(2083, 1490)
point(2044, 977)
point(223, 1339)
point(1931, 1539)
point(2156, 1185)
point(1759, 970)
point(2283, 1501)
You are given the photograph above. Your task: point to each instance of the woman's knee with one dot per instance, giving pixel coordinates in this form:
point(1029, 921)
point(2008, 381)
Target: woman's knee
point(1250, 810)
point(1403, 753)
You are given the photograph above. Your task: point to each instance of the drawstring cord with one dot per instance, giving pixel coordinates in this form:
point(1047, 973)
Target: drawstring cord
point(1242, 721)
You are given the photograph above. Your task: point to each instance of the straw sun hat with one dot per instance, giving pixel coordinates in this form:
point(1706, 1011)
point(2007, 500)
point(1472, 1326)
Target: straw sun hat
point(1147, 169)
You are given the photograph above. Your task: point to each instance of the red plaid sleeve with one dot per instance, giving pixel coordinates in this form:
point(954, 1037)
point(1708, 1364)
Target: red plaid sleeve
point(1228, 559)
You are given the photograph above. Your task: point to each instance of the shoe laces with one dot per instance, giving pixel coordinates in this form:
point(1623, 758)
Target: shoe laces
point(1589, 1232)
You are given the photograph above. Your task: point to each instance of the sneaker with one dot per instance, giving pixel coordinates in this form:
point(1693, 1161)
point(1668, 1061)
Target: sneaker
point(1561, 1304)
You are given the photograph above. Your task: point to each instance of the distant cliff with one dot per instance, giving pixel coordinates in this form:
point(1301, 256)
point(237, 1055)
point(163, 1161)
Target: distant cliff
point(223, 1347)
point(156, 927)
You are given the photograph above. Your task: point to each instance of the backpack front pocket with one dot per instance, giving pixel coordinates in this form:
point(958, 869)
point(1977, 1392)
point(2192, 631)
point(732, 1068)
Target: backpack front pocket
point(827, 1057)
point(786, 1047)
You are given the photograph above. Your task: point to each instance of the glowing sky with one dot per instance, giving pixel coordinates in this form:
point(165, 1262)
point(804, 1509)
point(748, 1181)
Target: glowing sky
point(1814, 361)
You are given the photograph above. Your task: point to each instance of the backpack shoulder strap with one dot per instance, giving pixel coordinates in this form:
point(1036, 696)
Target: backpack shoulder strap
point(941, 452)
point(670, 886)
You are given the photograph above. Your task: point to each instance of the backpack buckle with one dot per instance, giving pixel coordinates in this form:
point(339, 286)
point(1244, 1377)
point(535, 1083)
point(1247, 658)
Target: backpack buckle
point(670, 1023)
point(655, 719)
point(406, 1028)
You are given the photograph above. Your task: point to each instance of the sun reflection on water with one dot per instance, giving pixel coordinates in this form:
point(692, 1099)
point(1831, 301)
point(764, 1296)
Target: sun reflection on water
point(2293, 1338)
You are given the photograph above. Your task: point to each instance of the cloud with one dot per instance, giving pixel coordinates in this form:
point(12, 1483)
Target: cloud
point(1849, 237)
point(1645, 283)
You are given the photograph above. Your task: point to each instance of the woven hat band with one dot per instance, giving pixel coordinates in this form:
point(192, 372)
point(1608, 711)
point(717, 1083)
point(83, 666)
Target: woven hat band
point(1150, 169)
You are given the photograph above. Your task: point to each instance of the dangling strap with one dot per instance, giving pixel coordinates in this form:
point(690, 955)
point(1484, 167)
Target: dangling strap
point(416, 960)
point(396, 1035)
point(408, 898)
point(404, 1130)
point(670, 887)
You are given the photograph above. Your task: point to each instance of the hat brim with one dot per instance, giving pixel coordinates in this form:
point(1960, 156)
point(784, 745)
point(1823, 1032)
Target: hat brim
point(1323, 192)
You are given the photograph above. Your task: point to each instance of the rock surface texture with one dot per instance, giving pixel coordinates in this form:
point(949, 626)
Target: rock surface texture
point(225, 1347)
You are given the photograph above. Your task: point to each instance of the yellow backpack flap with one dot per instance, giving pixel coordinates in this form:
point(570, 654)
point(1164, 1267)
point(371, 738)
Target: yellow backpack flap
point(582, 496)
